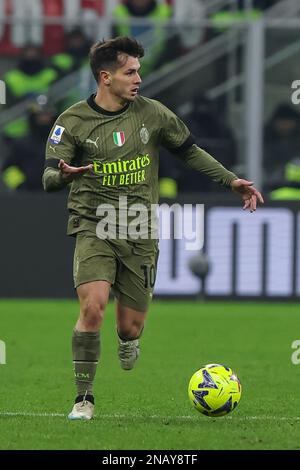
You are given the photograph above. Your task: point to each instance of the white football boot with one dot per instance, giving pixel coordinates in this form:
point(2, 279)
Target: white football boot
point(82, 410)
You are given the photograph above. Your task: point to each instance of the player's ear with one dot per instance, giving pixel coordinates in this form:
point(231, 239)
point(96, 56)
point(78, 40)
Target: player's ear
point(105, 77)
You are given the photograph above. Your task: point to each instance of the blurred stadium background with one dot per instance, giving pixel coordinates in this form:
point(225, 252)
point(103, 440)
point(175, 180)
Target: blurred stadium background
point(230, 69)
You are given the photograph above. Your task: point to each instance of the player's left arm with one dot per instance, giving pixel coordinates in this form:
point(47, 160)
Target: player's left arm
point(199, 160)
point(176, 137)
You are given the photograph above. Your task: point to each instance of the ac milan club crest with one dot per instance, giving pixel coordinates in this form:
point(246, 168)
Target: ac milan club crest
point(144, 135)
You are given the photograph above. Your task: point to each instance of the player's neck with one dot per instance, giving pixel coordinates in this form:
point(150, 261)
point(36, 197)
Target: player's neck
point(108, 102)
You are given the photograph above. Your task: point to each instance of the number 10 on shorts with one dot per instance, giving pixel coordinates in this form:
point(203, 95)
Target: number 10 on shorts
point(149, 275)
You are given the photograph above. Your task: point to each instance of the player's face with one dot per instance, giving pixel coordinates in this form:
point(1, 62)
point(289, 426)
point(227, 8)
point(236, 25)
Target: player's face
point(125, 81)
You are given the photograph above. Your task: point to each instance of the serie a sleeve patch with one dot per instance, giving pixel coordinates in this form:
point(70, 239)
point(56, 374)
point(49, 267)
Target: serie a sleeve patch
point(56, 135)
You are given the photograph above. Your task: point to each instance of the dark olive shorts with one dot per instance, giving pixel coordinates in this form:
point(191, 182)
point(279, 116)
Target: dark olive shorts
point(129, 265)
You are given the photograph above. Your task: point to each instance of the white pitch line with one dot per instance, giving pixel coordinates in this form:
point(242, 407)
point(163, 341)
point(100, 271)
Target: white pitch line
point(154, 417)
point(31, 415)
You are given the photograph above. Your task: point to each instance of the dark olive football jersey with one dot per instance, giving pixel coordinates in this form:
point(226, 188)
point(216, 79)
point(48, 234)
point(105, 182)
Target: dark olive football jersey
point(122, 146)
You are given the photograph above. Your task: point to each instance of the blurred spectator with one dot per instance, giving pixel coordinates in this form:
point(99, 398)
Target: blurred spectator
point(258, 4)
point(75, 55)
point(155, 11)
point(211, 132)
point(281, 144)
point(190, 30)
point(31, 76)
point(240, 11)
point(212, 135)
point(24, 165)
point(74, 58)
point(290, 188)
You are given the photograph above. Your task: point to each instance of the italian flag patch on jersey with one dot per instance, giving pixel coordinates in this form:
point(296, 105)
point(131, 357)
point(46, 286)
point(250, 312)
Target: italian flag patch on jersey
point(119, 138)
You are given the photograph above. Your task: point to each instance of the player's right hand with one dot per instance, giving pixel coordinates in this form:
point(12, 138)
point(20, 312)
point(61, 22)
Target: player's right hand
point(70, 172)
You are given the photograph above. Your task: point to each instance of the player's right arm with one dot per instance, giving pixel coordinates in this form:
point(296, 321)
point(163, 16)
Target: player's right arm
point(60, 152)
point(53, 180)
point(57, 178)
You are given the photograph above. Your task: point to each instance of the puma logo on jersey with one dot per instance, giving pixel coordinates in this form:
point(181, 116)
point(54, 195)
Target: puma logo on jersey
point(94, 142)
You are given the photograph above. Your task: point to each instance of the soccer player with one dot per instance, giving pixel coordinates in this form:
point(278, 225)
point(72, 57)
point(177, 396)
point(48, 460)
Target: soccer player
point(107, 148)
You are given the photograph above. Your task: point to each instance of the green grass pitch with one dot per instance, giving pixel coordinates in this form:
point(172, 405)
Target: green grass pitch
point(148, 407)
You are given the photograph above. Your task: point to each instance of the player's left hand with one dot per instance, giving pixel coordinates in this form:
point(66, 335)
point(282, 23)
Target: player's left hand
point(249, 194)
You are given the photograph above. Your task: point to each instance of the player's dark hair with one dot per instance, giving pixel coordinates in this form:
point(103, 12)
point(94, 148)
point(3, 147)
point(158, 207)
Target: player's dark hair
point(107, 55)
